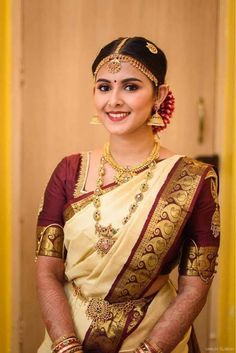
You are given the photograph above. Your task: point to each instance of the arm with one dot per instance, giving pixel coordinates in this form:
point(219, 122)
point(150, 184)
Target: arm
point(53, 302)
point(50, 259)
point(181, 313)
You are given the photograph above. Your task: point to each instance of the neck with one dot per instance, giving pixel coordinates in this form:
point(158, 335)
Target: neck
point(132, 149)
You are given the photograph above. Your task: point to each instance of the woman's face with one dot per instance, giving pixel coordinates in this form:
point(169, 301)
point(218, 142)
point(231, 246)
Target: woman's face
point(123, 100)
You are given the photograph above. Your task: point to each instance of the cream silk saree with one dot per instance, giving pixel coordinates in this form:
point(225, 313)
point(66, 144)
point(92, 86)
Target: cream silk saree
point(107, 293)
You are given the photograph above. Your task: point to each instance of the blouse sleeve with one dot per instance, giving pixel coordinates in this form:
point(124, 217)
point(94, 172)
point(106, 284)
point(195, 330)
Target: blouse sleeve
point(50, 222)
point(202, 232)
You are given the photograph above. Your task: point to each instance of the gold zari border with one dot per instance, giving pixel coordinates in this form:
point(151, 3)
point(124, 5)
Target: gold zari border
point(79, 186)
point(215, 222)
point(199, 261)
point(162, 230)
point(50, 241)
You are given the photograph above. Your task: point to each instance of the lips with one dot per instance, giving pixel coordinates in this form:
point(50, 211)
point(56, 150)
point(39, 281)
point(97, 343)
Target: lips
point(117, 116)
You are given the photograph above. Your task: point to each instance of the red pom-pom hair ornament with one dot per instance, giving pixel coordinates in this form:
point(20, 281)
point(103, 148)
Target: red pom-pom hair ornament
point(165, 111)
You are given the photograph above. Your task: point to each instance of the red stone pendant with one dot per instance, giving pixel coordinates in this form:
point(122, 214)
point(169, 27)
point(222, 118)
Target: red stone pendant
point(104, 245)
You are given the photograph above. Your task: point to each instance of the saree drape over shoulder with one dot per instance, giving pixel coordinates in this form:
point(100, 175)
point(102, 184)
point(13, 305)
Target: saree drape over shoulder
point(177, 222)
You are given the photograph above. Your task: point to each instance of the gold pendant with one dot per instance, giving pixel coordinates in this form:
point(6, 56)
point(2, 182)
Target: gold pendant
point(106, 232)
point(114, 66)
point(105, 242)
point(123, 176)
point(103, 245)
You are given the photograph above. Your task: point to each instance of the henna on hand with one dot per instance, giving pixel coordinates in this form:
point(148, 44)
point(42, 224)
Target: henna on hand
point(180, 315)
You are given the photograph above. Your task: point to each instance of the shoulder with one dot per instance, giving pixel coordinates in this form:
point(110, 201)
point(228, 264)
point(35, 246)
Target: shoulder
point(189, 164)
point(65, 175)
point(71, 162)
point(72, 159)
point(67, 167)
point(207, 175)
point(197, 167)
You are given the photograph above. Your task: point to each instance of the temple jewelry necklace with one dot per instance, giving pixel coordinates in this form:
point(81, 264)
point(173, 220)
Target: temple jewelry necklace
point(106, 233)
point(124, 174)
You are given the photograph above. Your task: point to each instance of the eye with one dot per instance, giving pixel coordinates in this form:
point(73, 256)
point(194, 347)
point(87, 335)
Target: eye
point(131, 87)
point(103, 87)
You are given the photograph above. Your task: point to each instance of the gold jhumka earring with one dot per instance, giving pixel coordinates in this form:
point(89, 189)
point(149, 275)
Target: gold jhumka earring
point(95, 121)
point(156, 119)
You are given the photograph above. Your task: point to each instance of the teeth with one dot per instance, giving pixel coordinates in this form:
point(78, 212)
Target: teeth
point(118, 115)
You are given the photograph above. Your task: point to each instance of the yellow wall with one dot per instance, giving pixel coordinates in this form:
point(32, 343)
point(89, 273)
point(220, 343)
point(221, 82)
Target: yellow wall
point(5, 293)
point(226, 323)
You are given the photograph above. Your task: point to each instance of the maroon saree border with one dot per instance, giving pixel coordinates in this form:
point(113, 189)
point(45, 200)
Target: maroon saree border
point(143, 230)
point(169, 182)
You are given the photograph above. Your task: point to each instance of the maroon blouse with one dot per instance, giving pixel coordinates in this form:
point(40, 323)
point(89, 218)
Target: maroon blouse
point(199, 241)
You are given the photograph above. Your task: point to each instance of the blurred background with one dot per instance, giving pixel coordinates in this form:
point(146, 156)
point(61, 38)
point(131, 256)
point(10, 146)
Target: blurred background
point(46, 51)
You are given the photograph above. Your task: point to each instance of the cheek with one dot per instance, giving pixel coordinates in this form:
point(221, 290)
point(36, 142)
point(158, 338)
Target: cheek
point(98, 101)
point(144, 103)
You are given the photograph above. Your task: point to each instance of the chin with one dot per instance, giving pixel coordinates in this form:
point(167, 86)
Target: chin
point(117, 130)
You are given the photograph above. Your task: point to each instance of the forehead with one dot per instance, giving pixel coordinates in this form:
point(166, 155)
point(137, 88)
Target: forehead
point(127, 70)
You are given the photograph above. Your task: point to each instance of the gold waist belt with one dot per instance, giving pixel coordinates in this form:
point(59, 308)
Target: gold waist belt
point(100, 310)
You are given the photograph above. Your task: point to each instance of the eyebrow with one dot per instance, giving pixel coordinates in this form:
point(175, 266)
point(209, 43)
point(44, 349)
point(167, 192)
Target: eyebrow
point(122, 81)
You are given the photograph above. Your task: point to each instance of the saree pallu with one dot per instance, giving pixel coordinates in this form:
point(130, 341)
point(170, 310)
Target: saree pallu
point(107, 294)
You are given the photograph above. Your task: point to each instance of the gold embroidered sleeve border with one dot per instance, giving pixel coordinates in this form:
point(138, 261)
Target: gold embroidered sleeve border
point(200, 261)
point(50, 241)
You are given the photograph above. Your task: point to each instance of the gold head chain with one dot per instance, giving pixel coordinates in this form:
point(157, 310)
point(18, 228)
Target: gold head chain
point(114, 61)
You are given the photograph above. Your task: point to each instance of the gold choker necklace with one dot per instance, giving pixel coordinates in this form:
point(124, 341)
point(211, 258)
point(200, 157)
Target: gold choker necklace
point(124, 174)
point(106, 233)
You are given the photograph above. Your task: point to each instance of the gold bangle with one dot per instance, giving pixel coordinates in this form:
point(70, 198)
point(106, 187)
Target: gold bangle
point(71, 349)
point(67, 347)
point(138, 350)
point(143, 348)
point(153, 347)
point(62, 338)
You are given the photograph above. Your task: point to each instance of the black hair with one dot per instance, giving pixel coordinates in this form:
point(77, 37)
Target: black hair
point(136, 48)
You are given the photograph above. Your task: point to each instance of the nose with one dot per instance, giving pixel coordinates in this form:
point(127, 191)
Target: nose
point(115, 98)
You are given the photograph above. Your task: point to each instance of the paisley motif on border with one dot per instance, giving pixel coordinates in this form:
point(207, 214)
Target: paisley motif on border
point(163, 228)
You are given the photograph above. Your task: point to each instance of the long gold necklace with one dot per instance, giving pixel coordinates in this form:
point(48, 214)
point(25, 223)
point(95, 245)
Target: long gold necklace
point(124, 174)
point(106, 233)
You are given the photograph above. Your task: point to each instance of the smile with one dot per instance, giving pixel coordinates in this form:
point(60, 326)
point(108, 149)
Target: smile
point(117, 116)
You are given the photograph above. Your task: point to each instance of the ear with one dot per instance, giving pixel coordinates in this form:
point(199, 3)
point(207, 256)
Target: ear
point(161, 94)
